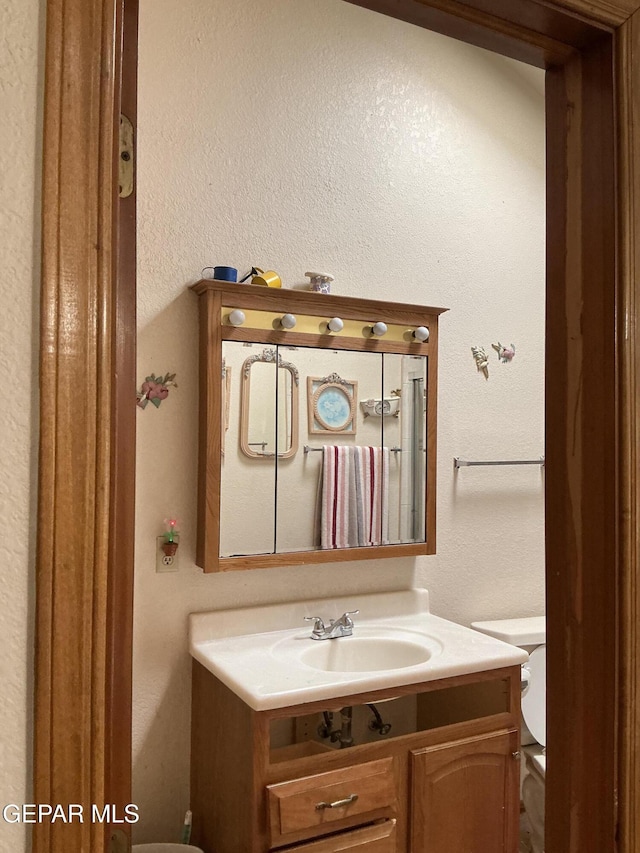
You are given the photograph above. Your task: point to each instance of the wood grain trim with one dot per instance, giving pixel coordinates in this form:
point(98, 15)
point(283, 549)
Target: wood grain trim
point(308, 558)
point(628, 75)
point(432, 444)
point(209, 433)
point(226, 812)
point(492, 25)
point(540, 32)
point(315, 304)
point(507, 674)
point(76, 381)
point(581, 466)
point(602, 12)
point(123, 418)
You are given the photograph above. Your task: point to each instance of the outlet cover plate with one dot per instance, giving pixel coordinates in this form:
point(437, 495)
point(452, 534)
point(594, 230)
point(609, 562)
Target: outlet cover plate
point(164, 563)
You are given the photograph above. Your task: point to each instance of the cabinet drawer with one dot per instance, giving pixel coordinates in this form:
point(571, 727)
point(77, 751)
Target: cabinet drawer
point(351, 794)
point(379, 838)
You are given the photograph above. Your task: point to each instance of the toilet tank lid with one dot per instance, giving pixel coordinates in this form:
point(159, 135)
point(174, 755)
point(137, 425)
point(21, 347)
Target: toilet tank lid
point(530, 631)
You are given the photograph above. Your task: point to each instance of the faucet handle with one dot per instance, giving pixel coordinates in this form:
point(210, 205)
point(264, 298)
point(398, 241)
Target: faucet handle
point(318, 624)
point(346, 618)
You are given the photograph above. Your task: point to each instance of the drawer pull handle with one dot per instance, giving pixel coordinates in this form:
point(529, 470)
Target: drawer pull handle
point(338, 803)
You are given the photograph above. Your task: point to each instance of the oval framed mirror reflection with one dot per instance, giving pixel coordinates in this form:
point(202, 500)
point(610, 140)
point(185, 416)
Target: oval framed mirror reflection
point(269, 406)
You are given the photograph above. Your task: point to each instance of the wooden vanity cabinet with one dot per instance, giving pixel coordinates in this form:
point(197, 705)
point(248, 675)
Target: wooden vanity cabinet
point(462, 795)
point(449, 785)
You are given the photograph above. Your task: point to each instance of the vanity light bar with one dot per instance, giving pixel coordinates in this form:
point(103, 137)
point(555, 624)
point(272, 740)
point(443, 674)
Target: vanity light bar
point(232, 316)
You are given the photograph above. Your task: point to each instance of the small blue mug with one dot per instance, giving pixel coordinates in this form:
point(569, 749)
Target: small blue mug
point(223, 273)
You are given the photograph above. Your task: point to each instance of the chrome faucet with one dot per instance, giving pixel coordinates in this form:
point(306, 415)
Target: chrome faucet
point(341, 627)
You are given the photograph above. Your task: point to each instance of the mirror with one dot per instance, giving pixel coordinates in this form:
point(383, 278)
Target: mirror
point(247, 483)
point(361, 483)
point(269, 409)
point(366, 409)
point(332, 381)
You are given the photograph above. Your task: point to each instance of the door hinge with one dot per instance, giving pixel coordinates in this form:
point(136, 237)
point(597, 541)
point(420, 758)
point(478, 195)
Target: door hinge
point(125, 160)
point(119, 842)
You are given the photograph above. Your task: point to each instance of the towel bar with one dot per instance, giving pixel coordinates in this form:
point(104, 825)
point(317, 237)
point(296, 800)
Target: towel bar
point(308, 449)
point(464, 463)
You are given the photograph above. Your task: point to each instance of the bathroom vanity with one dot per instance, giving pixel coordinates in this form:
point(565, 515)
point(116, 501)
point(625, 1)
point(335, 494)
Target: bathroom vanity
point(403, 736)
point(286, 375)
point(324, 746)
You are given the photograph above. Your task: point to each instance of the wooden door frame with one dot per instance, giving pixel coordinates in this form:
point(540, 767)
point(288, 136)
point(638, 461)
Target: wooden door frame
point(591, 49)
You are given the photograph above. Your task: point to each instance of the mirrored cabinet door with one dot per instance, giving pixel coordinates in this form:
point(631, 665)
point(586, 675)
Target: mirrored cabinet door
point(359, 477)
point(404, 427)
point(248, 479)
point(324, 494)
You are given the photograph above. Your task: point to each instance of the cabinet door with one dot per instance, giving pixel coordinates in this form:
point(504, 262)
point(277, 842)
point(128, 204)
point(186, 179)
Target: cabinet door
point(465, 796)
point(247, 485)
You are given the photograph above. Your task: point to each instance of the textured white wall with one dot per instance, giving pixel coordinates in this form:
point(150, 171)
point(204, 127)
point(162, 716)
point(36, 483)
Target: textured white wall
point(297, 134)
point(20, 157)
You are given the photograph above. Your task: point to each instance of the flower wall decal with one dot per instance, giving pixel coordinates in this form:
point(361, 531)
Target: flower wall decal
point(505, 354)
point(155, 389)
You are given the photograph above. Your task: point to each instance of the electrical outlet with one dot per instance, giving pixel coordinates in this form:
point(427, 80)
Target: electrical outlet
point(165, 563)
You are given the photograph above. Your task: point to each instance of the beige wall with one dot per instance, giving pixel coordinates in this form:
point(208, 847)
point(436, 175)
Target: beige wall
point(302, 134)
point(20, 156)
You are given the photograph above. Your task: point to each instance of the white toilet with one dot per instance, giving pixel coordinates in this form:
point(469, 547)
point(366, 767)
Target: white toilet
point(530, 635)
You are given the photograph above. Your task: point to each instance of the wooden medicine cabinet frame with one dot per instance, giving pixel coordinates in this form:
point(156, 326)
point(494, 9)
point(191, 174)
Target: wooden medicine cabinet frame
point(263, 307)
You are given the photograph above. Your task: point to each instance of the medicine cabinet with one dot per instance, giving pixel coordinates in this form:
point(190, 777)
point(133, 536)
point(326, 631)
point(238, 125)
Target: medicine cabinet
point(317, 427)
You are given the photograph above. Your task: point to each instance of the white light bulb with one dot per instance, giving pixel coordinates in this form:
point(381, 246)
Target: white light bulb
point(421, 334)
point(288, 321)
point(335, 324)
point(237, 317)
point(379, 329)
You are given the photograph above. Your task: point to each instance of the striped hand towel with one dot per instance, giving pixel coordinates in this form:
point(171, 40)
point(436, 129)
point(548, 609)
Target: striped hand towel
point(371, 476)
point(354, 497)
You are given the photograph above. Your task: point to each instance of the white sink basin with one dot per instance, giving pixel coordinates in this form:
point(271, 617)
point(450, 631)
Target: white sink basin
point(356, 654)
point(369, 649)
point(264, 655)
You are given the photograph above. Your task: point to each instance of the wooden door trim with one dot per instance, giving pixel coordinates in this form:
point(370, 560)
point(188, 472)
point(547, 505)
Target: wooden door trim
point(123, 459)
point(78, 486)
point(627, 77)
point(77, 388)
point(580, 457)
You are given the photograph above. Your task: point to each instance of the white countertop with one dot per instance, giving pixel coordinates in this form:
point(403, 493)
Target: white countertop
point(259, 652)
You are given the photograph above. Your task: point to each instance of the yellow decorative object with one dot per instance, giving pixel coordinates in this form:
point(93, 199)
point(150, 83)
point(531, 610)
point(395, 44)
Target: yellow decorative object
point(266, 279)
